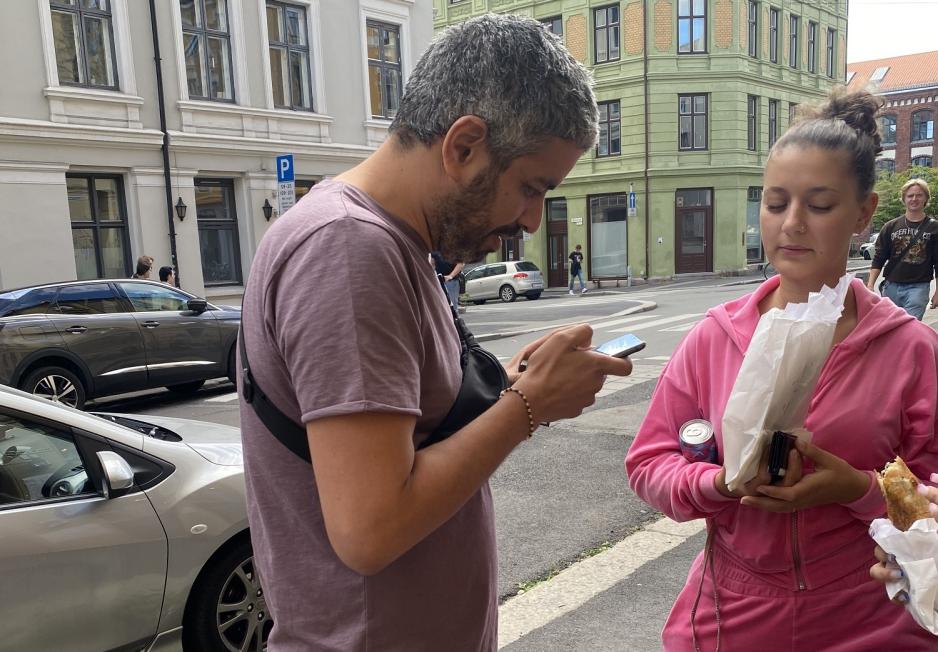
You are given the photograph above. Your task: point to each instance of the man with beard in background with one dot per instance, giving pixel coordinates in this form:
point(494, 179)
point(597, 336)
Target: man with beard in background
point(380, 544)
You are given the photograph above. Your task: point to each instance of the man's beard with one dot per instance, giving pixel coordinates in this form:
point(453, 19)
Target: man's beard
point(462, 222)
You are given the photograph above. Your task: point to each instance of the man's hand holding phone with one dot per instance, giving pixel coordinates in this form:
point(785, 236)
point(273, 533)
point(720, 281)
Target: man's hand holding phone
point(562, 374)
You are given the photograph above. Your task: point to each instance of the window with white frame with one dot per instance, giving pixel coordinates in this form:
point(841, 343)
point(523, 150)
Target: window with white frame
point(923, 126)
point(692, 27)
point(207, 49)
point(385, 78)
point(887, 127)
point(812, 46)
point(288, 42)
point(83, 37)
point(794, 34)
point(554, 25)
point(922, 161)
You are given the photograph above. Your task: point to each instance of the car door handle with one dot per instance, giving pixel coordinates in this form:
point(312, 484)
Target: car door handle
point(151, 324)
point(76, 329)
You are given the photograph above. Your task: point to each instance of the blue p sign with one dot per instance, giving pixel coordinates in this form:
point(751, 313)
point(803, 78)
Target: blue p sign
point(285, 168)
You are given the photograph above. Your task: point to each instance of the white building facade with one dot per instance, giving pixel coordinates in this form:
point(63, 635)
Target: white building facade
point(83, 164)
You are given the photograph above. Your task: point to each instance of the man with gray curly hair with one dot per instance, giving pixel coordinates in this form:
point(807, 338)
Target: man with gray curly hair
point(387, 543)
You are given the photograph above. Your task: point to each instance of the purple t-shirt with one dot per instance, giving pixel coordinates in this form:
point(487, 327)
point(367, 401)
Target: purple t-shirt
point(343, 314)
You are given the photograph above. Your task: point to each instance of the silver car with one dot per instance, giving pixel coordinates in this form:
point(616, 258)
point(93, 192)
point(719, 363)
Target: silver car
point(504, 281)
point(121, 532)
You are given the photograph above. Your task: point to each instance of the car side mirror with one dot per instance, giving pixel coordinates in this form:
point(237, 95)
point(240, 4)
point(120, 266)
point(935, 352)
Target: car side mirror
point(197, 305)
point(118, 476)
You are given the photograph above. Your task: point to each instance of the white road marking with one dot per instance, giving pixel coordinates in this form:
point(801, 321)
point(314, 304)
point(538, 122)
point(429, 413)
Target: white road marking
point(618, 322)
point(658, 358)
point(224, 398)
point(658, 322)
point(641, 373)
point(572, 588)
point(680, 328)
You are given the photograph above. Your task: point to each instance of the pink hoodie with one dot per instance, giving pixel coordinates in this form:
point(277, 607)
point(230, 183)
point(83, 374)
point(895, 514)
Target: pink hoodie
point(876, 398)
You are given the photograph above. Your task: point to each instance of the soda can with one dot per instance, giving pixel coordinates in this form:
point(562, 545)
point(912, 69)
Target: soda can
point(698, 443)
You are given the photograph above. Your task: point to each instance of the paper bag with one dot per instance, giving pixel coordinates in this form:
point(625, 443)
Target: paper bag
point(916, 552)
point(777, 378)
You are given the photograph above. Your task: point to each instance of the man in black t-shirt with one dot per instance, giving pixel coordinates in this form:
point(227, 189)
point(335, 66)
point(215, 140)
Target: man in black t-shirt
point(450, 273)
point(576, 269)
point(907, 247)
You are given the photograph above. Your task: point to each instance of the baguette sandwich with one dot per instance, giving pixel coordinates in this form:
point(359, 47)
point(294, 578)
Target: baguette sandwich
point(904, 505)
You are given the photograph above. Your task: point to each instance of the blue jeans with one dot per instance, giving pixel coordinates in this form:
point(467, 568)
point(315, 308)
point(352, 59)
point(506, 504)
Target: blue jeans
point(578, 274)
point(911, 297)
point(452, 289)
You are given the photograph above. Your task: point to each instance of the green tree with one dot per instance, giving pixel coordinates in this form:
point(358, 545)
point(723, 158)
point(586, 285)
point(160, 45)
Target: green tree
point(888, 187)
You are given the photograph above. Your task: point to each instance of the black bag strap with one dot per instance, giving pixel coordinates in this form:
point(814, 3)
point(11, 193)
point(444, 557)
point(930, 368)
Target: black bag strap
point(287, 431)
point(890, 266)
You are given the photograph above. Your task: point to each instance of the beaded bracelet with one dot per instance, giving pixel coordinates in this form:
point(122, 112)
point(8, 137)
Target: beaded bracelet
point(527, 406)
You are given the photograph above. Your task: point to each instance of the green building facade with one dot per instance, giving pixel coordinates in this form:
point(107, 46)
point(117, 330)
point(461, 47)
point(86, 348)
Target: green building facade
point(692, 94)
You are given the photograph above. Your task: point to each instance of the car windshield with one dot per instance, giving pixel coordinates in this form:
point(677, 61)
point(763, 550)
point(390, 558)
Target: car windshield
point(148, 429)
point(526, 266)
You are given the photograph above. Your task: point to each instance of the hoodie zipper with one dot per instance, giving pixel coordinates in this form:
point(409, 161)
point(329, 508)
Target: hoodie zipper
point(795, 554)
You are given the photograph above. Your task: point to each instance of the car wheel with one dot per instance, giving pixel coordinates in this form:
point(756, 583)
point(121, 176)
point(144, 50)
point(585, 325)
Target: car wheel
point(227, 609)
point(56, 384)
point(867, 256)
point(186, 388)
point(507, 294)
point(533, 296)
point(479, 302)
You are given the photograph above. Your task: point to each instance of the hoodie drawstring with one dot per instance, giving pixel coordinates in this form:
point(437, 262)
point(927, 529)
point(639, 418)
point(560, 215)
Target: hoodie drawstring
point(707, 565)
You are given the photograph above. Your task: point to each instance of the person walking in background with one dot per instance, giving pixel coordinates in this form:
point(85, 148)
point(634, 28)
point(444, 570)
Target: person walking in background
point(167, 275)
point(786, 566)
point(144, 265)
point(907, 253)
point(365, 538)
point(450, 273)
point(576, 269)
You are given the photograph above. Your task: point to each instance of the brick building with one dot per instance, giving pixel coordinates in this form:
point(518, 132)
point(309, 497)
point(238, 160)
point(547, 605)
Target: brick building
point(909, 87)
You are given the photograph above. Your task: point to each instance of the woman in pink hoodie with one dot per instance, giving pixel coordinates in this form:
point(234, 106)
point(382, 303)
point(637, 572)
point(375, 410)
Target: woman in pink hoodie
point(787, 567)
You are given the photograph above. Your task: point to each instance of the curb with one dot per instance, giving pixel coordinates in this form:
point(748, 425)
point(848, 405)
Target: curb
point(644, 306)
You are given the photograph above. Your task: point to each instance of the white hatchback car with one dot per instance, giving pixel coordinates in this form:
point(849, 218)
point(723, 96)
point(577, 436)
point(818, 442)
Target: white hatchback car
point(868, 249)
point(504, 281)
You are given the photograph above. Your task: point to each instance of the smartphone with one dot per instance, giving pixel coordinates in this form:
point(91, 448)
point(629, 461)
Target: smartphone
point(621, 347)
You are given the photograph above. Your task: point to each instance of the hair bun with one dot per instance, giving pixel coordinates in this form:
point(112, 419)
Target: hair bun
point(859, 109)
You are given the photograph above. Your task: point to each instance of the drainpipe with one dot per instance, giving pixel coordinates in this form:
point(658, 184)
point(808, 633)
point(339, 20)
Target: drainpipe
point(167, 178)
point(645, 111)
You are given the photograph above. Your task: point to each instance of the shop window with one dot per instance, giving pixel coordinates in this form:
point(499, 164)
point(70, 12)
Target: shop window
point(218, 231)
point(99, 225)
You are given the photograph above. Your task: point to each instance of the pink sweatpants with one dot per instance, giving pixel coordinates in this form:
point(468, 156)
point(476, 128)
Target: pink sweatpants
point(851, 615)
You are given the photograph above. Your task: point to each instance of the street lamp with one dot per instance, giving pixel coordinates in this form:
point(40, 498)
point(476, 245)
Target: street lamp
point(268, 210)
point(181, 210)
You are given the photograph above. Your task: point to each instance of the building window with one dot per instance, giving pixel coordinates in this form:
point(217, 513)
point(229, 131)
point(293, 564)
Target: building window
point(752, 123)
point(692, 121)
point(812, 46)
point(831, 44)
point(207, 48)
point(606, 34)
point(84, 43)
point(887, 127)
point(385, 79)
point(923, 125)
point(754, 253)
point(886, 166)
point(792, 112)
point(923, 161)
point(794, 26)
point(773, 35)
point(609, 143)
point(301, 188)
point(218, 231)
point(288, 41)
point(753, 29)
point(773, 122)
point(554, 25)
point(99, 226)
point(608, 244)
point(691, 26)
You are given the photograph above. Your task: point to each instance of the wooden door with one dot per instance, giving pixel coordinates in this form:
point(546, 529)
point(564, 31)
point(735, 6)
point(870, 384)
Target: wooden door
point(557, 245)
point(693, 232)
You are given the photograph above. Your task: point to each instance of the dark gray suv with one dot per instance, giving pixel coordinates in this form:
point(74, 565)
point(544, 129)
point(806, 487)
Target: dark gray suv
point(73, 341)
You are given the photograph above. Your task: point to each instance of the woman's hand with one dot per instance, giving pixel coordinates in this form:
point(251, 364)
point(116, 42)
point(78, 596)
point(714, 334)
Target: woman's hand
point(932, 494)
point(751, 488)
point(887, 570)
point(834, 481)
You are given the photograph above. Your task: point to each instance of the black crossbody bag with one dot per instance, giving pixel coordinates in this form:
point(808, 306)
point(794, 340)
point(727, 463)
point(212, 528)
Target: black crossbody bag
point(483, 379)
point(890, 266)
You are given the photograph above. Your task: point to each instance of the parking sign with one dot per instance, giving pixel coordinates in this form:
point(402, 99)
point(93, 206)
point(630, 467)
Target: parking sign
point(286, 185)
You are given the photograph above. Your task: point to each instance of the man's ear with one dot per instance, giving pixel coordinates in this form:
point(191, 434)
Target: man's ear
point(465, 152)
